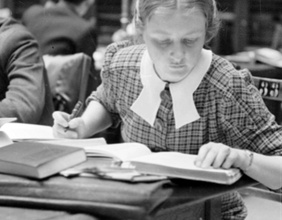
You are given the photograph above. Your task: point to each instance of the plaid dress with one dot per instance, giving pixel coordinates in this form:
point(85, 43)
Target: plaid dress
point(231, 112)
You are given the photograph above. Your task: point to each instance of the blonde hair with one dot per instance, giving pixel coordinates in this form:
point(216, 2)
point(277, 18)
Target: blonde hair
point(144, 9)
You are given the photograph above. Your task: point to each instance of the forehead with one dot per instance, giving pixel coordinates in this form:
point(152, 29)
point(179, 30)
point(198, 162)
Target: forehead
point(149, 8)
point(176, 21)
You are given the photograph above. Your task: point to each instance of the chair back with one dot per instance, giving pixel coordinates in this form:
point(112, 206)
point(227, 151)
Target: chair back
point(46, 117)
point(70, 77)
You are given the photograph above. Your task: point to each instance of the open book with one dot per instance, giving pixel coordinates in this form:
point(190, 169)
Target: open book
point(23, 131)
point(18, 132)
point(170, 164)
point(87, 144)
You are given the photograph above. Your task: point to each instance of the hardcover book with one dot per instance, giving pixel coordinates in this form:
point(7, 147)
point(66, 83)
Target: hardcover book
point(38, 160)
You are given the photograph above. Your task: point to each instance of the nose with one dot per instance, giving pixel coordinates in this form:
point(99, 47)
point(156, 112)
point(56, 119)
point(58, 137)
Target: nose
point(177, 53)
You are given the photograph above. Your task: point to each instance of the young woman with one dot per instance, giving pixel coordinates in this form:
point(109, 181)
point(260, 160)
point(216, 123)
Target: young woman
point(173, 95)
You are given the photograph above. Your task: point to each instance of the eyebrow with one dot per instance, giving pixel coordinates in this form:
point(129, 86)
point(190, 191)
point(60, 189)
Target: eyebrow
point(193, 35)
point(165, 32)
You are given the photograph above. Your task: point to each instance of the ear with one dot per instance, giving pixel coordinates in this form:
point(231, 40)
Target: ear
point(139, 35)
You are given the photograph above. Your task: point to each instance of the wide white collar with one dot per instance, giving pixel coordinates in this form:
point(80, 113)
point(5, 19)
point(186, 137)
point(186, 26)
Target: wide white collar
point(184, 109)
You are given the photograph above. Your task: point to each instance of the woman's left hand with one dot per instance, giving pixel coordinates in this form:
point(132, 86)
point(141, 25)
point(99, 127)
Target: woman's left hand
point(220, 156)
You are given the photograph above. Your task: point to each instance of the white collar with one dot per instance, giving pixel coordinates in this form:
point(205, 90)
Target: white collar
point(148, 102)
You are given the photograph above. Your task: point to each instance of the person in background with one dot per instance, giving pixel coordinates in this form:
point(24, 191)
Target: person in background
point(127, 31)
point(60, 27)
point(171, 94)
point(50, 3)
point(24, 87)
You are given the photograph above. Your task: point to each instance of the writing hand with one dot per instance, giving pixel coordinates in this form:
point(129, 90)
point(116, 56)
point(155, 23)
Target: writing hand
point(75, 112)
point(61, 121)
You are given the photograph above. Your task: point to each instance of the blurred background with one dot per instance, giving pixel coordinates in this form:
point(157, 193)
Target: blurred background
point(250, 36)
point(245, 23)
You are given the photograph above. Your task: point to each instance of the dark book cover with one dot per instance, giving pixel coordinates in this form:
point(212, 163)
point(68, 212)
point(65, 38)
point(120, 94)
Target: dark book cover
point(38, 160)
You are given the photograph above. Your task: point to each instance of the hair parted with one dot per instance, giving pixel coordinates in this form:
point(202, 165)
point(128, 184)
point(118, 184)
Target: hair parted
point(144, 9)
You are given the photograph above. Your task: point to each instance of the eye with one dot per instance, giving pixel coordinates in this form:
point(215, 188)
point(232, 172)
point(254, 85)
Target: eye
point(188, 42)
point(164, 42)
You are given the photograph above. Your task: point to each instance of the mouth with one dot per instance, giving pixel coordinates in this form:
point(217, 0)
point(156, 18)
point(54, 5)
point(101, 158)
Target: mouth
point(177, 66)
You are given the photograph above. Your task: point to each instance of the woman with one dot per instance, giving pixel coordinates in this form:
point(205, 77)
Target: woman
point(173, 95)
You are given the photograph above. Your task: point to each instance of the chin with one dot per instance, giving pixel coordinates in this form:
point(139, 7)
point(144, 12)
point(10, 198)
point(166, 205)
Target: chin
point(175, 76)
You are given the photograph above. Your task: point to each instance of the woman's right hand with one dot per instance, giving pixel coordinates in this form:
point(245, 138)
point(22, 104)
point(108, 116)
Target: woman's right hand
point(63, 128)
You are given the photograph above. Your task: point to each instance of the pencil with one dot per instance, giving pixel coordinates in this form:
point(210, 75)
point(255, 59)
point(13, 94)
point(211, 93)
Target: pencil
point(75, 112)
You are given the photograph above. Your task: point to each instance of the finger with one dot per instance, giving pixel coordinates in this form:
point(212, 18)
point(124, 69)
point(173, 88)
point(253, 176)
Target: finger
point(61, 132)
point(230, 160)
point(59, 115)
point(71, 134)
point(203, 151)
point(58, 131)
point(221, 157)
point(75, 123)
point(60, 118)
point(209, 159)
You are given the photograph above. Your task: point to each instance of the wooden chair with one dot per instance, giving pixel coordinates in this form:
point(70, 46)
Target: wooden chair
point(71, 77)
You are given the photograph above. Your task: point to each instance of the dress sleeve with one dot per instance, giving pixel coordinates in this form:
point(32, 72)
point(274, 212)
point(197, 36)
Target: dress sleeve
point(23, 71)
point(247, 122)
point(107, 92)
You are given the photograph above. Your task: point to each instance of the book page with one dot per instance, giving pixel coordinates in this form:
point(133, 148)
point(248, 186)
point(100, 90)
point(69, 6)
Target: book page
point(23, 131)
point(4, 139)
point(6, 120)
point(121, 151)
point(175, 160)
point(172, 159)
point(87, 143)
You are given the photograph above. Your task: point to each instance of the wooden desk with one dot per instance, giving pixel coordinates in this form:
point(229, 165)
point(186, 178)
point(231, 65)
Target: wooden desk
point(18, 213)
point(195, 200)
point(118, 200)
